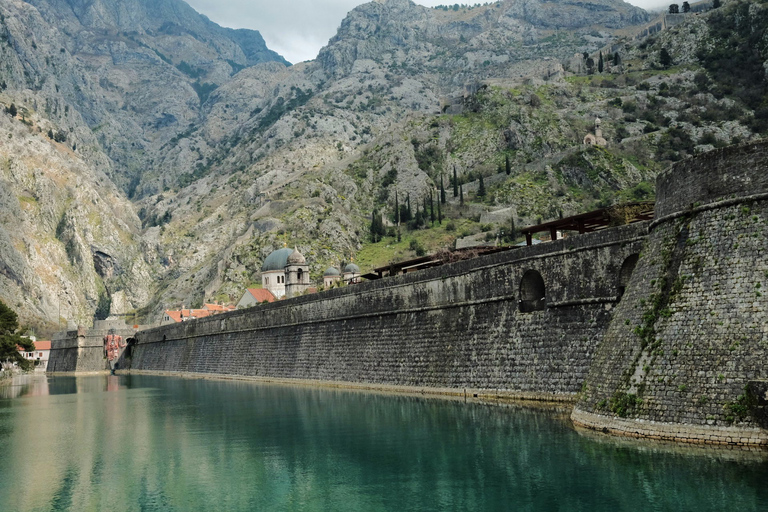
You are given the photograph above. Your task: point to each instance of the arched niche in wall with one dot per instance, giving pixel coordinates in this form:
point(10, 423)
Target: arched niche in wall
point(626, 272)
point(532, 292)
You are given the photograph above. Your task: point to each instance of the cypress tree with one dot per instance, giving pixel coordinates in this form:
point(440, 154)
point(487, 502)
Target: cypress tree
point(665, 59)
point(507, 166)
point(455, 183)
point(600, 63)
point(410, 213)
point(461, 195)
point(397, 210)
point(616, 59)
point(481, 188)
point(439, 214)
point(377, 227)
point(442, 190)
point(431, 208)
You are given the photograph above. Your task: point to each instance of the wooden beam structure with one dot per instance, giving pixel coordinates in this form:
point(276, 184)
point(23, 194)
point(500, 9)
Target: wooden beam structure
point(625, 213)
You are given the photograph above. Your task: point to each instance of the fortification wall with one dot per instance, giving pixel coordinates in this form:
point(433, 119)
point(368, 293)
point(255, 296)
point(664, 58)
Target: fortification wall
point(81, 350)
point(457, 326)
point(691, 334)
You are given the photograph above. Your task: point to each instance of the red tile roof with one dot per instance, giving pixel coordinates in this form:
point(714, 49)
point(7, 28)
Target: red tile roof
point(187, 314)
point(262, 295)
point(42, 345)
point(219, 307)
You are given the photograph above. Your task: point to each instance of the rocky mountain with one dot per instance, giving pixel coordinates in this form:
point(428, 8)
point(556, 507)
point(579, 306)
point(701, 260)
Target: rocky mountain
point(197, 151)
point(95, 89)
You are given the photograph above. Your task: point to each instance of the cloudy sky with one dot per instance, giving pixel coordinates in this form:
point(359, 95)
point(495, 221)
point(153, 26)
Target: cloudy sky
point(297, 29)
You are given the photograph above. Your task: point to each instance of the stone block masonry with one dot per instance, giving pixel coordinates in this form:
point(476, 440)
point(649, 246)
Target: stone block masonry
point(458, 326)
point(691, 334)
point(81, 350)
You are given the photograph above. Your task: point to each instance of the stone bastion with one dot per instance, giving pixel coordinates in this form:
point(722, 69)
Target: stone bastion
point(685, 356)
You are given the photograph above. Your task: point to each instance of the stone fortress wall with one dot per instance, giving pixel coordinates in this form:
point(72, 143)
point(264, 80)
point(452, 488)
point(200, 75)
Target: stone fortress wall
point(82, 350)
point(676, 349)
point(458, 327)
point(685, 356)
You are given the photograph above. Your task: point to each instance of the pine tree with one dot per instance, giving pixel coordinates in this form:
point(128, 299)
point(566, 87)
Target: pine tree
point(481, 188)
point(507, 166)
point(12, 110)
point(600, 63)
point(10, 340)
point(442, 190)
point(455, 183)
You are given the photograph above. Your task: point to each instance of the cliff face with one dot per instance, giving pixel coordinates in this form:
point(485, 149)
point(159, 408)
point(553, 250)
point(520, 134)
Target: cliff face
point(69, 239)
point(489, 40)
point(138, 72)
point(92, 91)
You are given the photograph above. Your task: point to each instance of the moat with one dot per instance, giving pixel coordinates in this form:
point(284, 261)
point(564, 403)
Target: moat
point(161, 443)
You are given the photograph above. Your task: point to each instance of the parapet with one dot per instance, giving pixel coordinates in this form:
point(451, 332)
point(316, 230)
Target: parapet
point(719, 175)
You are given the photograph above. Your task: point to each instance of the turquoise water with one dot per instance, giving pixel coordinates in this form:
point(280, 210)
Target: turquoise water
point(161, 443)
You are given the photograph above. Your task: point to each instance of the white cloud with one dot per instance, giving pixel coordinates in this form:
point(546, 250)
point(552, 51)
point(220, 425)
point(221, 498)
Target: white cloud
point(297, 29)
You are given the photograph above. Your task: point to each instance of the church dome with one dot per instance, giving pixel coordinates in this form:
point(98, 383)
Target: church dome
point(351, 269)
point(296, 258)
point(277, 260)
point(331, 272)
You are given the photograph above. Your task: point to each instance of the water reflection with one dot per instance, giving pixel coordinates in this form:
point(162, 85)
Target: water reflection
point(152, 443)
point(38, 384)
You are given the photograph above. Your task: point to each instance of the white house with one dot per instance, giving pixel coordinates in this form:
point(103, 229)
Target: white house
point(40, 355)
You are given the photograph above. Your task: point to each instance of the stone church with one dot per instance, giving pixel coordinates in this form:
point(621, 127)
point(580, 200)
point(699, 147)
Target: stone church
point(285, 273)
point(596, 139)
